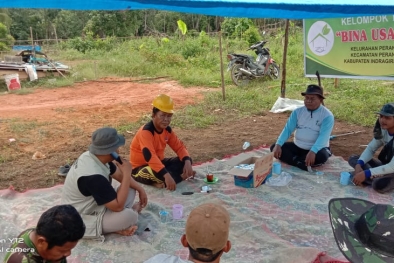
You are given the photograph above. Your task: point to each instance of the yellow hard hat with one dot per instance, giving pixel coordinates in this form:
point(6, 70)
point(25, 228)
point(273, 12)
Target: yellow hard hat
point(163, 103)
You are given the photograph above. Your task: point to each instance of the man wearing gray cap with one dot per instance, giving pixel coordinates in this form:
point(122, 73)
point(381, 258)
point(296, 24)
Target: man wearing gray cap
point(88, 187)
point(377, 172)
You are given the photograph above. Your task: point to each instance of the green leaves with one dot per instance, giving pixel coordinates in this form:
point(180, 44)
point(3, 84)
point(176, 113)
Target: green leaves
point(182, 27)
point(326, 30)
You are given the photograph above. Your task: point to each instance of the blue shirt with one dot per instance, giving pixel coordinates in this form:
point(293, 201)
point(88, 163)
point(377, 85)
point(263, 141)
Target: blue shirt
point(312, 128)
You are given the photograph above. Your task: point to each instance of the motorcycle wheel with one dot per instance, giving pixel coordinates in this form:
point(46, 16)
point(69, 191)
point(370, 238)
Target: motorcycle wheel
point(238, 77)
point(274, 71)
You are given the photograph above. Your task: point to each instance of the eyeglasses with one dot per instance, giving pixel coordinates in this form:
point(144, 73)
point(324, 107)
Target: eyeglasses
point(313, 99)
point(164, 116)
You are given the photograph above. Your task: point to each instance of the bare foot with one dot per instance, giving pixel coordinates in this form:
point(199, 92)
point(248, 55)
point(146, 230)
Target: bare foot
point(128, 232)
point(137, 207)
point(158, 185)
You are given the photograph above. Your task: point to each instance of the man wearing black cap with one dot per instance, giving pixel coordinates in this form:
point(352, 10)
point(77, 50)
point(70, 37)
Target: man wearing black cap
point(377, 172)
point(88, 188)
point(312, 125)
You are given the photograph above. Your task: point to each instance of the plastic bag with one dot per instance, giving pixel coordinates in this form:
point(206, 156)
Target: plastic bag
point(280, 180)
point(285, 104)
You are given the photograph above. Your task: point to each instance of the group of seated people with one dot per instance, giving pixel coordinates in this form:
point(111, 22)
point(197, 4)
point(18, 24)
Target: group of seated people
point(312, 125)
point(207, 232)
point(98, 208)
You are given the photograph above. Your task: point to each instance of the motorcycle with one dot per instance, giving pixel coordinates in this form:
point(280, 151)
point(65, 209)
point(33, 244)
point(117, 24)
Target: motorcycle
point(244, 68)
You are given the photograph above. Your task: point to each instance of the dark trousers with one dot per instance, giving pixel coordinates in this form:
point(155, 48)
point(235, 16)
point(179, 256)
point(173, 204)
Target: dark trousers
point(294, 155)
point(380, 184)
point(145, 174)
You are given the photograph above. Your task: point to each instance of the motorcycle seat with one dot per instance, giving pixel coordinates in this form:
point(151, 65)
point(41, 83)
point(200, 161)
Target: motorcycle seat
point(242, 55)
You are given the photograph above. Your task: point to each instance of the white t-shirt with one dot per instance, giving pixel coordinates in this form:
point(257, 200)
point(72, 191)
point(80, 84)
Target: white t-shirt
point(163, 258)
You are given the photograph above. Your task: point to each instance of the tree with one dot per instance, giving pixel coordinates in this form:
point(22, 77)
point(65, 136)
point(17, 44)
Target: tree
point(5, 18)
point(70, 24)
point(6, 40)
point(236, 27)
point(114, 23)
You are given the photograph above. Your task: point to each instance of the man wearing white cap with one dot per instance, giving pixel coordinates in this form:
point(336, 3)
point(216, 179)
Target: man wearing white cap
point(207, 230)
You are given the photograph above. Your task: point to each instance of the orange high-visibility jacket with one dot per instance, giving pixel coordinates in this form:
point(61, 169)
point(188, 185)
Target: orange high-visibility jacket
point(147, 147)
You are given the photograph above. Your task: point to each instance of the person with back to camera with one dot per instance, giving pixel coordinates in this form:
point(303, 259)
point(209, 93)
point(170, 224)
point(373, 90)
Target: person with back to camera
point(377, 172)
point(57, 232)
point(148, 145)
point(362, 229)
point(206, 236)
point(312, 125)
point(88, 187)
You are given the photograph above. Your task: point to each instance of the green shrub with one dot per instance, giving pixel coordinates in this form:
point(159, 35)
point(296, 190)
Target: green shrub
point(191, 49)
point(252, 35)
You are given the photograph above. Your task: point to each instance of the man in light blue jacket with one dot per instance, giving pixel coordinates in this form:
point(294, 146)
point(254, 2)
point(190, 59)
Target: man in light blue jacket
point(378, 172)
point(312, 125)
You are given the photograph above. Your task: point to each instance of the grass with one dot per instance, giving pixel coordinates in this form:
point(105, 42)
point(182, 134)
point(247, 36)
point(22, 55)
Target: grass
point(20, 127)
point(193, 63)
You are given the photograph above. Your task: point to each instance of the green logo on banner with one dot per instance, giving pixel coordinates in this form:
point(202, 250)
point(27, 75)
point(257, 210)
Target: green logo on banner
point(320, 38)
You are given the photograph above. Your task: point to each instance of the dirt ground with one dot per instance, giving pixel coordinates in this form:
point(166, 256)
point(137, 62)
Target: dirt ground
point(58, 123)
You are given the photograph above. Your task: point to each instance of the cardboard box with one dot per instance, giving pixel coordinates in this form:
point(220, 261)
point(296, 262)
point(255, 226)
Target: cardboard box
point(253, 178)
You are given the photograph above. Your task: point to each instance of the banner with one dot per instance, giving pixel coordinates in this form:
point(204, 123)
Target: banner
point(353, 47)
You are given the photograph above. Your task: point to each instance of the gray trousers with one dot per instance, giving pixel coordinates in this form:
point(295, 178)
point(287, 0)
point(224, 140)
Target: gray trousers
point(116, 221)
point(380, 184)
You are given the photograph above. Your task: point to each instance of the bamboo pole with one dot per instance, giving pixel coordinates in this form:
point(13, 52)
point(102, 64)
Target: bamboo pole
point(283, 83)
point(32, 44)
point(221, 63)
point(54, 66)
point(336, 82)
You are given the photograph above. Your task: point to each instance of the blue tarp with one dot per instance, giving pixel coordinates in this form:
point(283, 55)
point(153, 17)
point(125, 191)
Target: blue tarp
point(292, 9)
point(26, 47)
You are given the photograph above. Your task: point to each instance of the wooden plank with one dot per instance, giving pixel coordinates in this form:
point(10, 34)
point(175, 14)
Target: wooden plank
point(24, 75)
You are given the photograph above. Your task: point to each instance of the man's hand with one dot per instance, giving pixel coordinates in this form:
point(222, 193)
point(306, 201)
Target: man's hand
point(125, 168)
point(170, 183)
point(277, 151)
point(143, 197)
point(187, 170)
point(358, 169)
point(359, 178)
point(310, 158)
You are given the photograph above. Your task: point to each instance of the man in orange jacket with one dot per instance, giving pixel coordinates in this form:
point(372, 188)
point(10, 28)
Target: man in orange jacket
point(148, 145)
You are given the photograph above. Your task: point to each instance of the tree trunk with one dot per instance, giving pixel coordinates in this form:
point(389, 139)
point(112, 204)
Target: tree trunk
point(197, 25)
point(54, 28)
point(145, 17)
point(283, 83)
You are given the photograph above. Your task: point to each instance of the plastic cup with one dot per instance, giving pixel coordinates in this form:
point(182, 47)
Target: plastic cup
point(276, 168)
point(345, 178)
point(177, 211)
point(163, 216)
point(319, 177)
point(246, 145)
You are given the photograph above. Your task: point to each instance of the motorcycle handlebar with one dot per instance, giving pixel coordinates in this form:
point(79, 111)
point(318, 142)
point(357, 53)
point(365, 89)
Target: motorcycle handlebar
point(257, 44)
